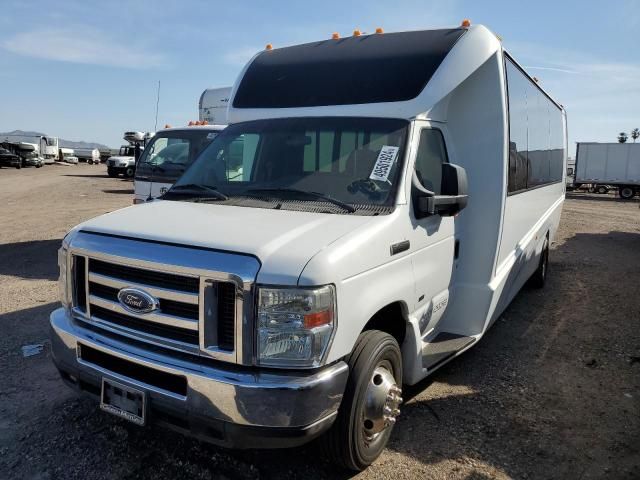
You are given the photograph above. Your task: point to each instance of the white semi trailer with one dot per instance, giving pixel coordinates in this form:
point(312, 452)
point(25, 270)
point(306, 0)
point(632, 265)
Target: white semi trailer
point(213, 105)
point(373, 207)
point(614, 164)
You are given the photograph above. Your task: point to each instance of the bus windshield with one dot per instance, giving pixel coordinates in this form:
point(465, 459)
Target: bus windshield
point(292, 162)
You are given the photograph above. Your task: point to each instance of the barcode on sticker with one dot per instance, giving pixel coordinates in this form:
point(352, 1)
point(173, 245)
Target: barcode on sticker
point(386, 159)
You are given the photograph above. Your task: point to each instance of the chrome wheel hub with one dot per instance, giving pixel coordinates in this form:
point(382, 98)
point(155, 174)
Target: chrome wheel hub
point(382, 402)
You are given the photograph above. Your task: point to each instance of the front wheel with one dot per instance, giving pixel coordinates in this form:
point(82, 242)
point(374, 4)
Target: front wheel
point(370, 404)
point(129, 172)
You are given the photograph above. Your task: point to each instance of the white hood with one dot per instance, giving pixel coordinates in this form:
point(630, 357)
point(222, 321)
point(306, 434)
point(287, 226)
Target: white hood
point(284, 241)
point(119, 158)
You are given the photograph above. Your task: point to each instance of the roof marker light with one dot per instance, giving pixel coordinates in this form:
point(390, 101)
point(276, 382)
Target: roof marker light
point(357, 33)
point(379, 30)
point(191, 123)
point(167, 126)
point(268, 47)
point(335, 35)
point(466, 23)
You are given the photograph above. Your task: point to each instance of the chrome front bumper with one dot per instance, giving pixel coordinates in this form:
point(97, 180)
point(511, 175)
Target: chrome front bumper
point(230, 405)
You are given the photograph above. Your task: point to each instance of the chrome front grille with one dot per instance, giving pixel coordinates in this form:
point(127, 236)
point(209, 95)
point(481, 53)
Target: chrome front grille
point(196, 314)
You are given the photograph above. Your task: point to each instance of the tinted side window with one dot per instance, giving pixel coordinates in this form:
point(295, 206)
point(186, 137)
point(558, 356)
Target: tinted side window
point(429, 159)
point(536, 143)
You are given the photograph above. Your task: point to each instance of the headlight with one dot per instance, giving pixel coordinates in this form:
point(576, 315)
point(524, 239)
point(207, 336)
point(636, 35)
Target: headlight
point(63, 281)
point(295, 325)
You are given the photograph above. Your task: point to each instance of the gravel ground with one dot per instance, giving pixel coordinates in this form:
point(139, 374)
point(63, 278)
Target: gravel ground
point(552, 390)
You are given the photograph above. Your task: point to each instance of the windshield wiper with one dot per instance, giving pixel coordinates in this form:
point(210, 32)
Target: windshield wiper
point(316, 195)
point(197, 189)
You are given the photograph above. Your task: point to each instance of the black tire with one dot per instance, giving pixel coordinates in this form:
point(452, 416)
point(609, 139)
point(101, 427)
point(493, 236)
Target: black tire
point(539, 277)
point(602, 189)
point(19, 166)
point(626, 192)
point(112, 173)
point(345, 444)
point(129, 172)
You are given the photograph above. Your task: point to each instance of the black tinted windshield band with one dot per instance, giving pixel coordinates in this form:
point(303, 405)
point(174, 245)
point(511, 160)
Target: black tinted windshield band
point(373, 68)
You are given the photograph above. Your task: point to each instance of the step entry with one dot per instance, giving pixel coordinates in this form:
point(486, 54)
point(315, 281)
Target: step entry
point(442, 347)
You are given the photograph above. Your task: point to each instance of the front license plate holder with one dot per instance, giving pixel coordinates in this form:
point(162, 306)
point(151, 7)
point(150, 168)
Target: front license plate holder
point(123, 401)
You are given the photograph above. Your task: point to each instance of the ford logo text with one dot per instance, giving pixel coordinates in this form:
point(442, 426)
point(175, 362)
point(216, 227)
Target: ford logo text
point(137, 301)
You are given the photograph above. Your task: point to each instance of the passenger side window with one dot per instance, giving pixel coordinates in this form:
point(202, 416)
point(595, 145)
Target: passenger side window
point(431, 155)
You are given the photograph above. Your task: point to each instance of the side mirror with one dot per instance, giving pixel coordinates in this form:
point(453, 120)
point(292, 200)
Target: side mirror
point(451, 201)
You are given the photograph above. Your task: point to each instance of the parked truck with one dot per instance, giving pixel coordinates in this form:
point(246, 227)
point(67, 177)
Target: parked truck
point(124, 163)
point(608, 165)
point(46, 147)
point(167, 156)
point(368, 214)
point(213, 105)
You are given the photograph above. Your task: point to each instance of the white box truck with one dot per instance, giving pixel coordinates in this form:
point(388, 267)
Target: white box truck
point(615, 164)
point(387, 211)
point(213, 105)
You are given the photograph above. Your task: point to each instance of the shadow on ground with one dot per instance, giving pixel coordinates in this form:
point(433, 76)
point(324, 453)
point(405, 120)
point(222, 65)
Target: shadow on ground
point(37, 259)
point(126, 191)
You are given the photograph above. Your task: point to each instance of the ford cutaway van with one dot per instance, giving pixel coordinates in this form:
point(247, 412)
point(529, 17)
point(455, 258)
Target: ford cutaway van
point(374, 205)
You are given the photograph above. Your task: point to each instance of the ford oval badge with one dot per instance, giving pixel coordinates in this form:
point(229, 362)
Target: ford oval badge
point(137, 301)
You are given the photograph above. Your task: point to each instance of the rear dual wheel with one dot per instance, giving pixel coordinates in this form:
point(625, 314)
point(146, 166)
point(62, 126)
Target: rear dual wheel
point(539, 277)
point(626, 193)
point(370, 404)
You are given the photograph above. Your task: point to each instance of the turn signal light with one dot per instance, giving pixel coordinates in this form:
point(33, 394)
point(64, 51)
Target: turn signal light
point(318, 319)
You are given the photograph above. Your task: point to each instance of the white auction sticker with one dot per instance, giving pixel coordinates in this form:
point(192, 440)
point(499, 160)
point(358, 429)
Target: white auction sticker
point(386, 159)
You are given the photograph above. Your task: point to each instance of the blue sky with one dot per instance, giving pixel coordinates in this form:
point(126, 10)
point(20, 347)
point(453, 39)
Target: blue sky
point(86, 70)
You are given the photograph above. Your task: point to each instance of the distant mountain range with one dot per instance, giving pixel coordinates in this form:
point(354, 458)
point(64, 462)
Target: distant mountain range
point(22, 136)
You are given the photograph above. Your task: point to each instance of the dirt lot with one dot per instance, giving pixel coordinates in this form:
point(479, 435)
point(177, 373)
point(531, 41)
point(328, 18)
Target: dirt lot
point(552, 391)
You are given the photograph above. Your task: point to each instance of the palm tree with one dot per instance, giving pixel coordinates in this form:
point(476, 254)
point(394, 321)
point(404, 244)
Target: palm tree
point(622, 137)
point(635, 134)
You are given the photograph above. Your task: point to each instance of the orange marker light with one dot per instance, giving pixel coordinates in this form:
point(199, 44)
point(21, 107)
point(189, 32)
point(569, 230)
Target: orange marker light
point(466, 23)
point(357, 33)
point(335, 35)
point(379, 30)
point(317, 319)
point(204, 122)
point(191, 123)
point(167, 126)
point(268, 47)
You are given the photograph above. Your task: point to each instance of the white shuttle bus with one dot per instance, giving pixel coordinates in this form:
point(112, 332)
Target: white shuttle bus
point(167, 156)
point(373, 207)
